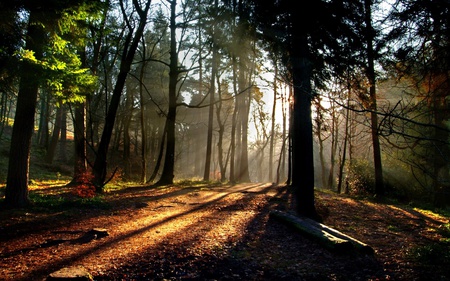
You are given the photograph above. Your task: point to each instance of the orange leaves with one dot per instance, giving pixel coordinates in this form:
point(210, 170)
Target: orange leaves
point(85, 188)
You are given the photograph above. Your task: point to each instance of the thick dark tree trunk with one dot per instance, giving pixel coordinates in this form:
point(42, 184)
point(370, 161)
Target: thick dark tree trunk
point(379, 183)
point(169, 162)
point(16, 194)
point(302, 133)
point(80, 165)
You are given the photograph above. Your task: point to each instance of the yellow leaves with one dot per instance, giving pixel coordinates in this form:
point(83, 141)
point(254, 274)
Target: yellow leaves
point(27, 55)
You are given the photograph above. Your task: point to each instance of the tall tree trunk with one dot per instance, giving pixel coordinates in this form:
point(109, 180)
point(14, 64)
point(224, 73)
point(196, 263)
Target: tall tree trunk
point(80, 164)
point(242, 123)
point(16, 193)
point(281, 170)
point(143, 126)
point(379, 184)
point(334, 143)
point(344, 150)
point(79, 125)
point(169, 161)
point(160, 154)
point(63, 138)
point(290, 129)
point(321, 144)
point(43, 133)
point(302, 134)
point(221, 132)
point(233, 124)
point(212, 93)
point(130, 46)
point(272, 127)
point(55, 136)
point(126, 132)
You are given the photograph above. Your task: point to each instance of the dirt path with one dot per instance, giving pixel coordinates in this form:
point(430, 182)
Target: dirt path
point(142, 224)
point(174, 233)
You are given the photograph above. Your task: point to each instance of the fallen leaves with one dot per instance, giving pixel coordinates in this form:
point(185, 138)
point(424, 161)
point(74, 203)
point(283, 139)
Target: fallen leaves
point(221, 233)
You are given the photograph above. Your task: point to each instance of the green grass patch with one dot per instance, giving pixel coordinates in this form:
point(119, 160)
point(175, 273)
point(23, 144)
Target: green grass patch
point(198, 183)
point(62, 203)
point(432, 254)
point(444, 230)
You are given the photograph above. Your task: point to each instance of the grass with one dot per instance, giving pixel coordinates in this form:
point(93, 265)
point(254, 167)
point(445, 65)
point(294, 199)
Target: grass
point(431, 254)
point(57, 203)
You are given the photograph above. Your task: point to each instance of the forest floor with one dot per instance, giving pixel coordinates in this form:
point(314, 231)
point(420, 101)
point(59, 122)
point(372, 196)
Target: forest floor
point(222, 232)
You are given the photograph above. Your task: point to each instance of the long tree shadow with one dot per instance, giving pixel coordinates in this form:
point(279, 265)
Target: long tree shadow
point(249, 257)
point(18, 223)
point(110, 243)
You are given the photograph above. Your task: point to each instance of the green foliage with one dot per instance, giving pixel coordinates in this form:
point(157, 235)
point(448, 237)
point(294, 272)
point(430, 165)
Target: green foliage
point(62, 70)
point(444, 230)
point(431, 254)
point(197, 183)
point(56, 202)
point(361, 177)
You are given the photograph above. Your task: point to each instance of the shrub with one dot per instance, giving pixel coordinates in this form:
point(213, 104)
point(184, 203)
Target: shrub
point(360, 177)
point(84, 188)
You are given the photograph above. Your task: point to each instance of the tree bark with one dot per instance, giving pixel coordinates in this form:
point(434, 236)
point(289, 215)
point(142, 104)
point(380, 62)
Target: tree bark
point(63, 137)
point(302, 134)
point(379, 184)
point(272, 127)
point(55, 136)
point(80, 164)
point(212, 92)
point(167, 175)
point(130, 47)
point(16, 193)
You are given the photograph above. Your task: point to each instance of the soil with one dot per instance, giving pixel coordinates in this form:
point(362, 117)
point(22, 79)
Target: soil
point(222, 232)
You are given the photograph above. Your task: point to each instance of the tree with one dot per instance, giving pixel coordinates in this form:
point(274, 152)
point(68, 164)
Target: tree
point(211, 93)
point(169, 162)
point(176, 68)
point(16, 193)
point(309, 39)
point(44, 58)
point(420, 58)
point(371, 77)
point(55, 136)
point(129, 49)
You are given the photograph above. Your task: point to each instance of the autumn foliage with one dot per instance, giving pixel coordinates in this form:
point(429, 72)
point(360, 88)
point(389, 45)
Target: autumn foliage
point(85, 187)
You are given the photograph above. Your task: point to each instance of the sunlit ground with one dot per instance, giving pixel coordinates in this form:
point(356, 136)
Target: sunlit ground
point(194, 223)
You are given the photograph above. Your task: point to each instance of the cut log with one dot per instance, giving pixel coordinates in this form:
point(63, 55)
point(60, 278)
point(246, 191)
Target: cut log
point(78, 273)
point(330, 238)
point(359, 245)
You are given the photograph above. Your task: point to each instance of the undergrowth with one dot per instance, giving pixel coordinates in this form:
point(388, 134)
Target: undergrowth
point(62, 203)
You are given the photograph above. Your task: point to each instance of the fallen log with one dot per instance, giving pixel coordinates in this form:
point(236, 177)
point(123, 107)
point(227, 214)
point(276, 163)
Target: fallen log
point(78, 273)
point(330, 238)
point(359, 245)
